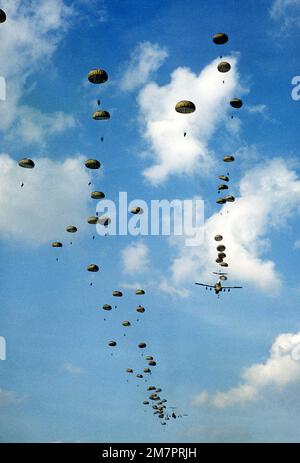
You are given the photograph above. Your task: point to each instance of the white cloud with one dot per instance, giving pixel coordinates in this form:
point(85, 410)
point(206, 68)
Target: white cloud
point(297, 244)
point(145, 59)
point(172, 290)
point(73, 369)
point(163, 128)
point(287, 11)
point(8, 398)
point(55, 194)
point(269, 196)
point(280, 370)
point(29, 38)
point(135, 258)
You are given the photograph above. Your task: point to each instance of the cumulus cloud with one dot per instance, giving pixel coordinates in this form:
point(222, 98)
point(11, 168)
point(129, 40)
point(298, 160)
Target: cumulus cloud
point(145, 59)
point(268, 196)
point(73, 369)
point(280, 370)
point(163, 127)
point(55, 194)
point(135, 258)
point(29, 39)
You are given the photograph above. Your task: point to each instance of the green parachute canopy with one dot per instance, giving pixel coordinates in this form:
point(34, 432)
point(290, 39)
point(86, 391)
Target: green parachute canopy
point(228, 159)
point(142, 345)
point(117, 293)
point(97, 76)
point(139, 292)
point(185, 107)
point(106, 307)
point(224, 66)
point(101, 115)
point(218, 237)
point(26, 163)
point(236, 103)
point(71, 229)
point(56, 244)
point(92, 268)
point(140, 309)
point(97, 195)
point(92, 164)
point(220, 38)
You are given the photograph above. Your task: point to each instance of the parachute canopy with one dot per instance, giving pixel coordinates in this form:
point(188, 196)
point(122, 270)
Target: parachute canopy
point(137, 210)
point(149, 357)
point(139, 292)
point(220, 38)
point(92, 268)
point(222, 255)
point(224, 66)
point(139, 375)
point(26, 163)
point(112, 343)
point(92, 164)
point(71, 229)
point(236, 103)
point(126, 323)
point(147, 370)
point(97, 76)
point(228, 159)
point(140, 309)
point(101, 115)
point(221, 248)
point(218, 237)
point(224, 178)
point(224, 264)
point(221, 201)
point(56, 244)
point(117, 293)
point(106, 307)
point(219, 260)
point(2, 16)
point(222, 187)
point(129, 370)
point(146, 402)
point(229, 198)
point(97, 195)
point(152, 363)
point(142, 345)
point(93, 220)
point(185, 107)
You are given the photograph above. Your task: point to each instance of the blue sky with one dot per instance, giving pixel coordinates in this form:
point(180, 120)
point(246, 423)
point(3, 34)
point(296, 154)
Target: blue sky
point(231, 364)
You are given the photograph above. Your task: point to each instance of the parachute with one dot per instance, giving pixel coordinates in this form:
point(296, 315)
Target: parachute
point(26, 163)
point(220, 38)
point(146, 402)
point(236, 103)
point(224, 264)
point(152, 363)
point(101, 115)
point(185, 107)
point(224, 66)
point(224, 178)
point(126, 323)
point(92, 268)
point(117, 293)
point(56, 244)
point(2, 16)
point(221, 248)
point(71, 229)
point(221, 201)
point(97, 76)
point(139, 292)
point(228, 159)
point(140, 309)
point(137, 210)
point(222, 187)
point(93, 220)
point(218, 237)
point(106, 307)
point(222, 255)
point(97, 195)
point(129, 370)
point(149, 357)
point(147, 370)
point(112, 343)
point(142, 345)
point(92, 164)
point(139, 375)
point(229, 198)
point(219, 260)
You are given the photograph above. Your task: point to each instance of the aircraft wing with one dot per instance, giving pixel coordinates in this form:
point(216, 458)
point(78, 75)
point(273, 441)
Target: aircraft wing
point(232, 287)
point(207, 286)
